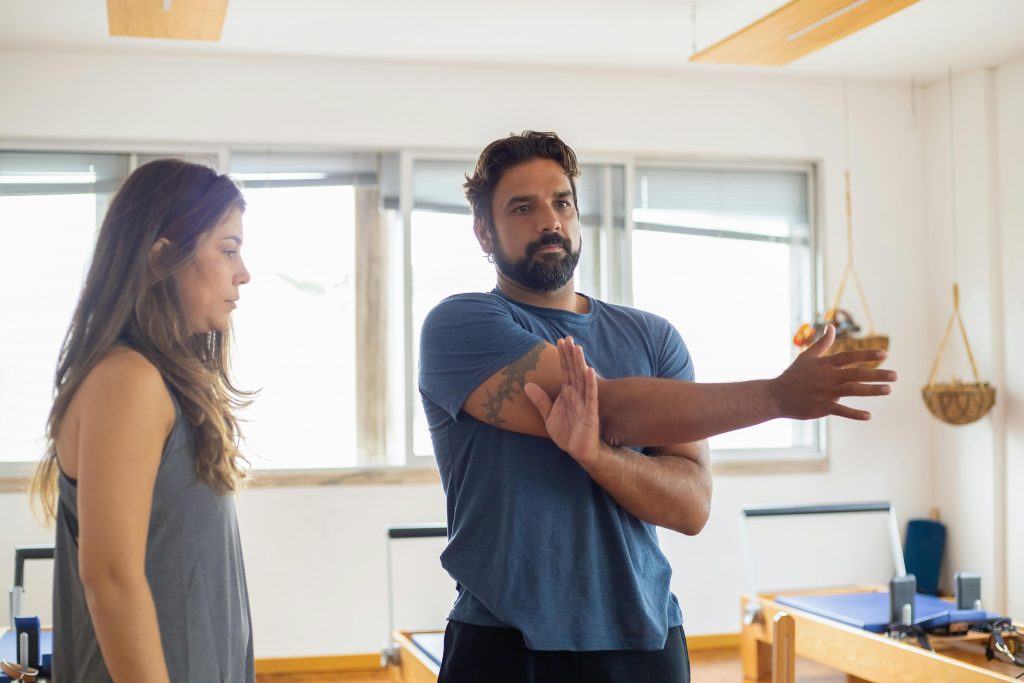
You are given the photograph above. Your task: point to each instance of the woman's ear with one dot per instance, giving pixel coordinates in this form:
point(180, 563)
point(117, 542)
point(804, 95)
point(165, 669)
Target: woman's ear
point(155, 249)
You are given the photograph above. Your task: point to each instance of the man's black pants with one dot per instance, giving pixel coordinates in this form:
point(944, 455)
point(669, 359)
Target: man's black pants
point(483, 654)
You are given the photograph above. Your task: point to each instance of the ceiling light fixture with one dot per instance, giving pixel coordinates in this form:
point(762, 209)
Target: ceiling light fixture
point(180, 19)
point(810, 27)
point(796, 29)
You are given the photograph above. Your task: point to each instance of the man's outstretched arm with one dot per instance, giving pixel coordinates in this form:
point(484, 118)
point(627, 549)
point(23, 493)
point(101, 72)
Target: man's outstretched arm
point(669, 487)
point(662, 412)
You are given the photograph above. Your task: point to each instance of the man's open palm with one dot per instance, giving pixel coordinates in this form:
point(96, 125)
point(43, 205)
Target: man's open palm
point(571, 419)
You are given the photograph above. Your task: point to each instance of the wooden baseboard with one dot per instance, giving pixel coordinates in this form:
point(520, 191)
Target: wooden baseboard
point(331, 664)
point(716, 641)
point(371, 661)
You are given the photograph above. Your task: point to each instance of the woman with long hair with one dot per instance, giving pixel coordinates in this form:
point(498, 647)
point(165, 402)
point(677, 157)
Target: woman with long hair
point(142, 456)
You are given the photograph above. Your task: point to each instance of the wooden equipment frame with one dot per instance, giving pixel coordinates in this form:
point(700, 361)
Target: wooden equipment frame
point(413, 665)
point(866, 656)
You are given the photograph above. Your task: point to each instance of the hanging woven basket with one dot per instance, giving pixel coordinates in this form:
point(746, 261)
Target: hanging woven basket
point(956, 402)
point(852, 342)
point(868, 341)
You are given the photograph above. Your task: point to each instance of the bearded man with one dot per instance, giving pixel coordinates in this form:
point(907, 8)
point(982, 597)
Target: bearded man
point(553, 497)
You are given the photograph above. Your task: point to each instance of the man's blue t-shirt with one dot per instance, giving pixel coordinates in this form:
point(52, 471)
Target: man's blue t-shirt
point(534, 542)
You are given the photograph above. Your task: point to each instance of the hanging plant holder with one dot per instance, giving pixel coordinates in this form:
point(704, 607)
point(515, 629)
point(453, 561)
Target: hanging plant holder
point(957, 402)
point(846, 329)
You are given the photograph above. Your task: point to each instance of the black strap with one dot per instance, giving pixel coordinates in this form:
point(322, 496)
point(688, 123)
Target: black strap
point(997, 644)
point(905, 631)
point(997, 647)
point(69, 519)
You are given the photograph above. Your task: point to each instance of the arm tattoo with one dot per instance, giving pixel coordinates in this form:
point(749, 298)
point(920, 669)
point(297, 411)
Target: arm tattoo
point(512, 384)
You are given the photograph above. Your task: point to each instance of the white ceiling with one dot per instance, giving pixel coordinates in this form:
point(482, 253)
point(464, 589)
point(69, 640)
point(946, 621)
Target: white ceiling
point(919, 42)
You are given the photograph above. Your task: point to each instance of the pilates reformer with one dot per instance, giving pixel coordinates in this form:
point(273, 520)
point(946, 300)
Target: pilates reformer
point(879, 635)
point(414, 656)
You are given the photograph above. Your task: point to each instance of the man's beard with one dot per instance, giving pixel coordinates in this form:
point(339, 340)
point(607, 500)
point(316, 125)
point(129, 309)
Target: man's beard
point(546, 274)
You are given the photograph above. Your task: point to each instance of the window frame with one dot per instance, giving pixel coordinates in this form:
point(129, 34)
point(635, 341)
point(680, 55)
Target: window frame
point(14, 475)
point(607, 253)
point(407, 204)
point(814, 458)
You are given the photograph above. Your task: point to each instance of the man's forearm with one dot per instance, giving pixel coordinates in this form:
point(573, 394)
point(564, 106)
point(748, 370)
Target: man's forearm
point(671, 491)
point(656, 412)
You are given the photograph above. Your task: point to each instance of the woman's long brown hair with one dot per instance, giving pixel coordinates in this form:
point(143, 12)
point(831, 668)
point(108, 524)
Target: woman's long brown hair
point(130, 298)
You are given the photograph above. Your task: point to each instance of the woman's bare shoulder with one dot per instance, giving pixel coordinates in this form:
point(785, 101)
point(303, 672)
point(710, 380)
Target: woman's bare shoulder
point(128, 381)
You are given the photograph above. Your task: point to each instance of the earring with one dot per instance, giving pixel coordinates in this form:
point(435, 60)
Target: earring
point(490, 259)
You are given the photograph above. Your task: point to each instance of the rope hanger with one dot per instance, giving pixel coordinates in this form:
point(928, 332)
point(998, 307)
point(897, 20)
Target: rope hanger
point(956, 402)
point(955, 315)
point(850, 269)
point(846, 329)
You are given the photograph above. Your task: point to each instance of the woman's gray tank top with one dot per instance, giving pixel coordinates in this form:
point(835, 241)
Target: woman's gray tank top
point(195, 571)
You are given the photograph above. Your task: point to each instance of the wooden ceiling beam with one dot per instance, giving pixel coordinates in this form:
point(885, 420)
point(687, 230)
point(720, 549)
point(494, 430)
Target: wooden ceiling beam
point(186, 19)
point(796, 29)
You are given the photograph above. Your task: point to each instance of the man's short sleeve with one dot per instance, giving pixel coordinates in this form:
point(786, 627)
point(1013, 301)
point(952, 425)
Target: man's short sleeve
point(675, 361)
point(465, 339)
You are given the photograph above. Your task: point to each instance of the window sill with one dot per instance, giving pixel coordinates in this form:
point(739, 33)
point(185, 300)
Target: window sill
point(16, 477)
point(773, 461)
point(349, 476)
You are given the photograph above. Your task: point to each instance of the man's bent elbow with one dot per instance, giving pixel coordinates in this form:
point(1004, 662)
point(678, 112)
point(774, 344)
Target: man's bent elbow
point(693, 518)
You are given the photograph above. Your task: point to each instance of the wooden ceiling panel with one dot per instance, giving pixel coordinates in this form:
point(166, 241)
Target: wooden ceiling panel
point(185, 19)
point(796, 29)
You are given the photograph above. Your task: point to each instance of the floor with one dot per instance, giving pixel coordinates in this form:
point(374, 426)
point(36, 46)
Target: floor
point(711, 666)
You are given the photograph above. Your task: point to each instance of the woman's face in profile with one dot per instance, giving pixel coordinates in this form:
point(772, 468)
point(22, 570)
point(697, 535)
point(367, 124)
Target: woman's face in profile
point(209, 285)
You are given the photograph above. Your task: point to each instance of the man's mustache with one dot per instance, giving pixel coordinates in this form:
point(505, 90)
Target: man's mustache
point(546, 240)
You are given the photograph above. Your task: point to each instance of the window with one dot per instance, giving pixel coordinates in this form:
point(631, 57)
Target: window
point(348, 253)
point(297, 324)
point(308, 322)
point(446, 258)
point(51, 206)
point(726, 256)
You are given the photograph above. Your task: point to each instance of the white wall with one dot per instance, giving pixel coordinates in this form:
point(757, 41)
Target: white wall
point(1009, 87)
point(979, 468)
point(335, 580)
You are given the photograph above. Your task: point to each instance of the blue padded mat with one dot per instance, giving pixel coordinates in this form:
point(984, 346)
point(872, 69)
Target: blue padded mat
point(870, 611)
point(431, 644)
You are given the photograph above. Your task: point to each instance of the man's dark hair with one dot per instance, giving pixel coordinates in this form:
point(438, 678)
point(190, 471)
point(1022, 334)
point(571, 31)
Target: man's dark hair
point(507, 152)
